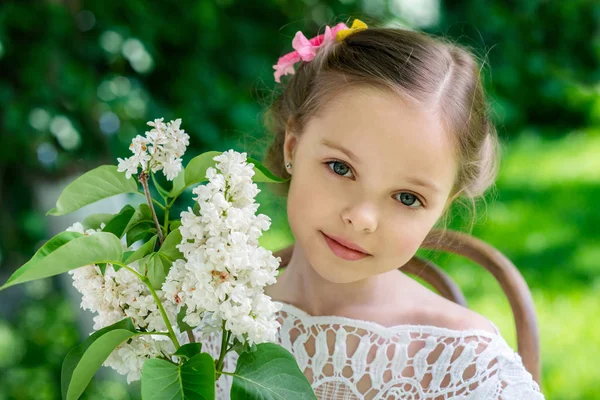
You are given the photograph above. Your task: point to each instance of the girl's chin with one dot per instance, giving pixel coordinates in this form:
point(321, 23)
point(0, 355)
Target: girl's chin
point(334, 278)
point(333, 272)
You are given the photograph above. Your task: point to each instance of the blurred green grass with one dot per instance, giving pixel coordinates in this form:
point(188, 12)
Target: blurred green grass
point(546, 221)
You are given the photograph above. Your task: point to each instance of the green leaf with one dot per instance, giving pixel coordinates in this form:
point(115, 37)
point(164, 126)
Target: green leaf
point(117, 225)
point(97, 184)
point(271, 372)
point(250, 348)
point(140, 231)
point(169, 248)
point(243, 346)
point(102, 268)
point(262, 174)
point(67, 251)
point(178, 184)
point(175, 224)
point(195, 171)
point(82, 362)
point(158, 268)
point(94, 221)
point(238, 346)
point(53, 244)
point(162, 191)
point(143, 250)
point(143, 264)
point(189, 350)
point(126, 255)
point(194, 379)
point(142, 214)
point(181, 324)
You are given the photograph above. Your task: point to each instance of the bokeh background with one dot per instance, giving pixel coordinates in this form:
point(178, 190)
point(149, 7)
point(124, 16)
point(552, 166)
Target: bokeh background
point(79, 79)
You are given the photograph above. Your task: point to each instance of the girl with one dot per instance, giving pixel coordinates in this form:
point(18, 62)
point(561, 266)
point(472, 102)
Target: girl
point(381, 130)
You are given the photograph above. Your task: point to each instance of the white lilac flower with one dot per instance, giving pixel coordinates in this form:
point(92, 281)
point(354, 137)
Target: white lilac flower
point(162, 148)
point(117, 295)
point(223, 275)
point(129, 357)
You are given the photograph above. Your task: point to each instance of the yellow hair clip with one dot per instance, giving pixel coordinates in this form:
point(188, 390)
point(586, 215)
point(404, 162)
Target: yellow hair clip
point(357, 25)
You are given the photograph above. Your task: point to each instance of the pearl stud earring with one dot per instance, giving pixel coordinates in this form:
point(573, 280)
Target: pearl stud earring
point(288, 165)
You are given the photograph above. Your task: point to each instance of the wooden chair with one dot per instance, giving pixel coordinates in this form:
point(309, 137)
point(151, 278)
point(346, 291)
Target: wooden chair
point(510, 279)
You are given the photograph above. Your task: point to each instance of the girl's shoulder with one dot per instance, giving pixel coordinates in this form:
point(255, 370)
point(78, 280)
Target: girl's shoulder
point(439, 311)
point(413, 305)
point(421, 306)
point(460, 324)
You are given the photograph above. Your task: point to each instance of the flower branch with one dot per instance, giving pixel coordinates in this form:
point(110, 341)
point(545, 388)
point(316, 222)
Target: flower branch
point(161, 309)
point(209, 274)
point(143, 178)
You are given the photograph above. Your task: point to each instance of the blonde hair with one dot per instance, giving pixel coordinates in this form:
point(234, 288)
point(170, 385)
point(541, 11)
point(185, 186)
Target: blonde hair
point(429, 71)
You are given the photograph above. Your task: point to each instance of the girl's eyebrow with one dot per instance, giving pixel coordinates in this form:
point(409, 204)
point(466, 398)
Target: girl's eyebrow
point(425, 184)
point(350, 154)
point(353, 157)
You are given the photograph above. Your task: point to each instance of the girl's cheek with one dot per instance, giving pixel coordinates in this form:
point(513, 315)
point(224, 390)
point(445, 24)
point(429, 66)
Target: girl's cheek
point(407, 234)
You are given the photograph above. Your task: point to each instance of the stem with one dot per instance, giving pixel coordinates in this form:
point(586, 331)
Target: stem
point(143, 178)
point(176, 196)
point(153, 200)
point(223, 352)
point(167, 209)
point(155, 333)
point(162, 312)
point(170, 204)
point(156, 185)
point(158, 204)
point(190, 335)
point(156, 299)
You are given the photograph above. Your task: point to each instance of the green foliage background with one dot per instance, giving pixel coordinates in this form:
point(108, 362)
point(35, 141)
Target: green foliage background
point(79, 79)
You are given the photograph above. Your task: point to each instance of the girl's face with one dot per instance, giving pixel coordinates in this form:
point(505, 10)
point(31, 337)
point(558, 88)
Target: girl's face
point(371, 169)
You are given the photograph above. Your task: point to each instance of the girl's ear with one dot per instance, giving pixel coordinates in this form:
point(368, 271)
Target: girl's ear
point(289, 144)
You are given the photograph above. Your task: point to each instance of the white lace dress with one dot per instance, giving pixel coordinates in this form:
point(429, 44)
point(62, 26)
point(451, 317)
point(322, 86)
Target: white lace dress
point(346, 358)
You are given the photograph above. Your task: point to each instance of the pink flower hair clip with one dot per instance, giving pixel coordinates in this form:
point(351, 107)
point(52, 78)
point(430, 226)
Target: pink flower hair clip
point(306, 49)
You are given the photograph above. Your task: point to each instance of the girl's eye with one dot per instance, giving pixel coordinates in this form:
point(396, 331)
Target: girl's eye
point(408, 199)
point(339, 167)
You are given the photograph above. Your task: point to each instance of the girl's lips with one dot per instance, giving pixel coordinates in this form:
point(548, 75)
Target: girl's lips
point(343, 251)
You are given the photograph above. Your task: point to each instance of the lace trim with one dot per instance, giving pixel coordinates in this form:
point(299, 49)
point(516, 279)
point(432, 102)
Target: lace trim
point(381, 329)
point(351, 359)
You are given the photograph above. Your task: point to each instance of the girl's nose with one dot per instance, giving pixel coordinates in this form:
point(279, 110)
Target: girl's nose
point(361, 216)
